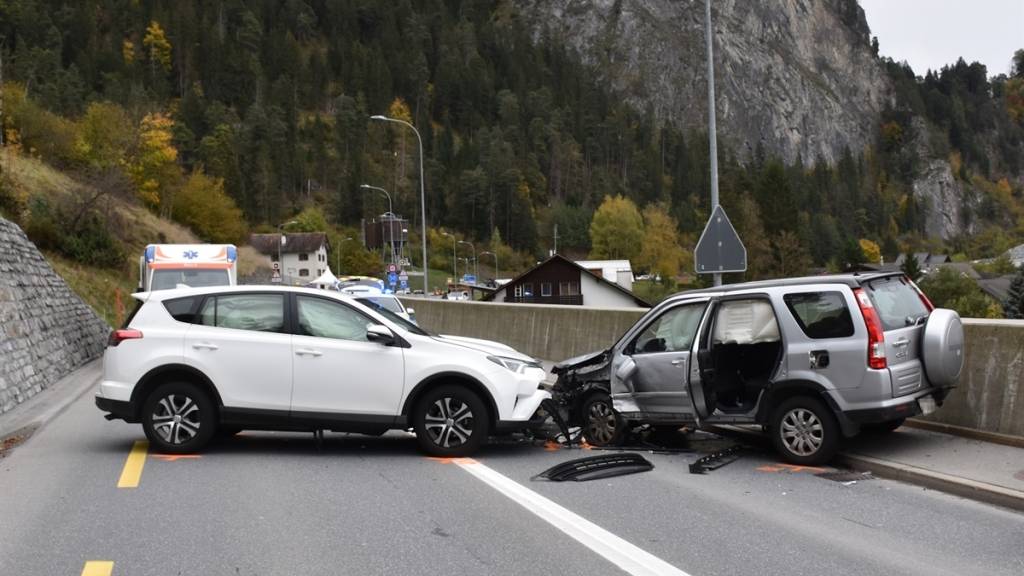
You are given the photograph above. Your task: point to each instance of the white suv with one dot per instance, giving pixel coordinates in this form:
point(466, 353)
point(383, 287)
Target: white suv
point(191, 362)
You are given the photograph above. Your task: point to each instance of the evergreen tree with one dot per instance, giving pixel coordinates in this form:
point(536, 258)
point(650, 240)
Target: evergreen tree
point(1014, 305)
point(910, 267)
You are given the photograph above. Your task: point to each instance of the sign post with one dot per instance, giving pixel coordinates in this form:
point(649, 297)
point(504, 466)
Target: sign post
point(719, 249)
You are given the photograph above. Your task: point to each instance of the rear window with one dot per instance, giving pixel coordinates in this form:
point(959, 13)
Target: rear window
point(821, 314)
point(131, 315)
point(182, 309)
point(896, 302)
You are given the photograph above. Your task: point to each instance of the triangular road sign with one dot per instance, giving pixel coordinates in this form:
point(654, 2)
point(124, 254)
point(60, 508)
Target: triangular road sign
point(719, 248)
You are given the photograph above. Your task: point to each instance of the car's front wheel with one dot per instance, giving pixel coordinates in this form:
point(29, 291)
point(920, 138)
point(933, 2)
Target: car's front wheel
point(450, 421)
point(178, 418)
point(804, 431)
point(602, 425)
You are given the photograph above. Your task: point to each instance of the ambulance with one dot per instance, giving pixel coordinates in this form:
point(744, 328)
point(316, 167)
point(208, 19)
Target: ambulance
point(165, 266)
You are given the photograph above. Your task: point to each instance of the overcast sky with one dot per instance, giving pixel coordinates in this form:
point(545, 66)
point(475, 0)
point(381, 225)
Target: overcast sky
point(933, 33)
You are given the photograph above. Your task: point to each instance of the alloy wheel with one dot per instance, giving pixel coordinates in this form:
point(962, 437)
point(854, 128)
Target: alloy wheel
point(176, 418)
point(449, 422)
point(802, 432)
point(601, 422)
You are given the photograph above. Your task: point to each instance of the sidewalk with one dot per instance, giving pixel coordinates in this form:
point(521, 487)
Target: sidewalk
point(44, 406)
point(984, 471)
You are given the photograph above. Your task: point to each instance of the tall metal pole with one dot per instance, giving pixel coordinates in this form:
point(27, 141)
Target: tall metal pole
point(423, 191)
point(474, 255)
point(712, 139)
point(455, 258)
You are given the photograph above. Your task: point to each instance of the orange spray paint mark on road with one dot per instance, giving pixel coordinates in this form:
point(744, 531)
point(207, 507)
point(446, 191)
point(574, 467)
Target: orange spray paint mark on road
point(452, 460)
point(790, 468)
point(175, 457)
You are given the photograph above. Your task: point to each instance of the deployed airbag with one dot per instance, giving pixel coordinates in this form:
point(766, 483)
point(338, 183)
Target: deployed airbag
point(746, 322)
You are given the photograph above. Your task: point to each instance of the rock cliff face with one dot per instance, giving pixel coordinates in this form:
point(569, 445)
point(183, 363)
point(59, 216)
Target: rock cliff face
point(46, 331)
point(796, 77)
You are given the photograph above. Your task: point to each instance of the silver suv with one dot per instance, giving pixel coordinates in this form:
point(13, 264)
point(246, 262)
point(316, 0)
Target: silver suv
point(812, 360)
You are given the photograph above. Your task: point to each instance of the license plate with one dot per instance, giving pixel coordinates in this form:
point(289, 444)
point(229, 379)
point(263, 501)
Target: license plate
point(927, 404)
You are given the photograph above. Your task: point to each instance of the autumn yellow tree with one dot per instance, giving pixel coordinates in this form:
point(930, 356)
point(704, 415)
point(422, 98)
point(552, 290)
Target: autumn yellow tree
point(661, 253)
point(159, 47)
point(154, 168)
point(103, 136)
point(872, 253)
point(617, 229)
point(202, 205)
point(399, 110)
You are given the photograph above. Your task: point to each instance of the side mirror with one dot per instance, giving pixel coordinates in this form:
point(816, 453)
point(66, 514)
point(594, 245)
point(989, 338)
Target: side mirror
point(410, 311)
point(379, 334)
point(626, 369)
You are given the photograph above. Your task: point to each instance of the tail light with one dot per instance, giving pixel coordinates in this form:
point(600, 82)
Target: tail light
point(876, 335)
point(118, 336)
point(924, 299)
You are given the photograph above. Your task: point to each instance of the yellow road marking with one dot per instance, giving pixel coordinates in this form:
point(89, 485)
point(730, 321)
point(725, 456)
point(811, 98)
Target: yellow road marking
point(98, 568)
point(132, 472)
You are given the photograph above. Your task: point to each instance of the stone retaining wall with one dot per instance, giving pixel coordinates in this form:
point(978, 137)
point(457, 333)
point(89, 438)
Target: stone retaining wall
point(46, 330)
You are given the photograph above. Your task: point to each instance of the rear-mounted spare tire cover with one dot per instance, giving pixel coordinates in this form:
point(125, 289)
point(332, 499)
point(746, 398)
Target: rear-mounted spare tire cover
point(943, 348)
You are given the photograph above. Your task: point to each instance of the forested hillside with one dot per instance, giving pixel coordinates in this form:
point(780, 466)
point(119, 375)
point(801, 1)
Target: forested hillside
point(235, 115)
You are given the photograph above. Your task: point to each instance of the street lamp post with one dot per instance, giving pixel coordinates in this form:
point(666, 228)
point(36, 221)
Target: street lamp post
point(391, 217)
point(423, 193)
point(495, 263)
point(455, 259)
point(343, 240)
point(280, 243)
point(474, 255)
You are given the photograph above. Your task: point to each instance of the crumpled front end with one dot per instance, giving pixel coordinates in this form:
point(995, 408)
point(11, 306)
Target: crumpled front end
point(579, 376)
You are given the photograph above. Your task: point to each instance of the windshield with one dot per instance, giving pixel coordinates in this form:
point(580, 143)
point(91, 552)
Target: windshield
point(387, 302)
point(401, 321)
point(167, 279)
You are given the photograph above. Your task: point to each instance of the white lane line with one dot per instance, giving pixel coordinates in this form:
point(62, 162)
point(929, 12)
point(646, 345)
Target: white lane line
point(616, 550)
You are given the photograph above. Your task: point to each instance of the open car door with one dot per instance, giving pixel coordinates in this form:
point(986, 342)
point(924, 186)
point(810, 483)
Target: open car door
point(651, 365)
point(732, 337)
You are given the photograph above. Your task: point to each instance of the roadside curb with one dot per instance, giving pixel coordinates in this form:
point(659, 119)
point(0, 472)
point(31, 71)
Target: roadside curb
point(972, 433)
point(37, 411)
point(963, 487)
point(917, 476)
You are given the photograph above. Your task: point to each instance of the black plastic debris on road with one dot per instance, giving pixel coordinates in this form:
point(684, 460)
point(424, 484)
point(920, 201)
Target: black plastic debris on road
point(597, 467)
point(716, 460)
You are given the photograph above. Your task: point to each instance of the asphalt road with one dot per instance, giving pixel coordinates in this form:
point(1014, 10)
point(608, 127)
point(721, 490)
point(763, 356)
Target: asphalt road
point(272, 503)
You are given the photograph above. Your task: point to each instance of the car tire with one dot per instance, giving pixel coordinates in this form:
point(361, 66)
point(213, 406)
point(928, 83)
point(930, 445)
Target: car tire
point(602, 425)
point(450, 421)
point(882, 427)
point(178, 418)
point(804, 431)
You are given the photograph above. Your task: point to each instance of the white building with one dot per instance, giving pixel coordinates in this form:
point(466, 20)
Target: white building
point(618, 271)
point(303, 255)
